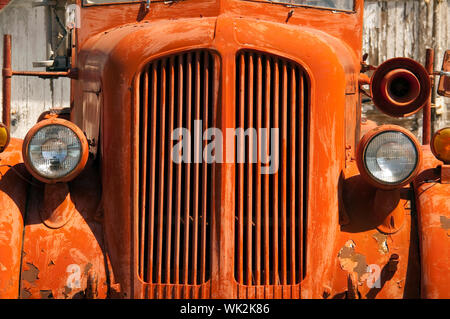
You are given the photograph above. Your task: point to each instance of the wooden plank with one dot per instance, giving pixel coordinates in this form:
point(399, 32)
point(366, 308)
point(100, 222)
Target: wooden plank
point(391, 40)
point(408, 28)
point(382, 51)
point(399, 22)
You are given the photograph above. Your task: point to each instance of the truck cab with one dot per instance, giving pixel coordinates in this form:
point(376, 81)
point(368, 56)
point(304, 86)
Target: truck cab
point(216, 149)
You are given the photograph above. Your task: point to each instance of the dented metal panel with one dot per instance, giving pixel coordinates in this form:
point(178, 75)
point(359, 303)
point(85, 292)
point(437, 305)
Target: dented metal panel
point(66, 261)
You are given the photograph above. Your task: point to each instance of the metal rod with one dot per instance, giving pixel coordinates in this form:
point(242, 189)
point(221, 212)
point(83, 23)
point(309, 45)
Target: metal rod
point(187, 175)
point(205, 185)
point(292, 156)
point(426, 136)
point(161, 173)
point(7, 74)
point(259, 101)
point(170, 169)
point(276, 112)
point(300, 168)
point(283, 162)
point(152, 174)
point(266, 180)
point(71, 74)
point(144, 167)
point(240, 164)
point(249, 172)
point(196, 177)
point(179, 180)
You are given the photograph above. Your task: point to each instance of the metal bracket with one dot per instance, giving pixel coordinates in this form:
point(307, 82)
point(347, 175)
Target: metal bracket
point(442, 73)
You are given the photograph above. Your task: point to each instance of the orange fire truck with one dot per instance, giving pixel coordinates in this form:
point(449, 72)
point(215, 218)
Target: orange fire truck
point(92, 204)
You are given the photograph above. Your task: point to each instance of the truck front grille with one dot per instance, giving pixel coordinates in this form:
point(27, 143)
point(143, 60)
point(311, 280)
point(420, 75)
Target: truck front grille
point(176, 201)
point(272, 92)
point(174, 210)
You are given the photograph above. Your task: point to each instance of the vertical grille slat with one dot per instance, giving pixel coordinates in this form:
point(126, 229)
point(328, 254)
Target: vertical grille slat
point(152, 173)
point(272, 92)
point(205, 175)
point(283, 170)
point(170, 170)
point(187, 188)
point(301, 140)
point(178, 196)
point(174, 209)
point(266, 186)
point(275, 124)
point(240, 181)
point(293, 157)
point(197, 116)
point(161, 149)
point(259, 92)
point(249, 169)
point(143, 203)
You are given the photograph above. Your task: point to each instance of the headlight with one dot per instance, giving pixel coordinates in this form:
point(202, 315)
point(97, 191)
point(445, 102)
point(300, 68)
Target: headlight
point(440, 145)
point(4, 137)
point(55, 150)
point(389, 156)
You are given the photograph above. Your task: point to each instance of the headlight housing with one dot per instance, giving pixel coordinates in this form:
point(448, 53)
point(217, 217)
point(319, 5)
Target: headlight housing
point(440, 145)
point(4, 137)
point(389, 157)
point(55, 150)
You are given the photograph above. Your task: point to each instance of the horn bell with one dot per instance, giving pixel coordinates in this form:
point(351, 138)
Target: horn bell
point(400, 87)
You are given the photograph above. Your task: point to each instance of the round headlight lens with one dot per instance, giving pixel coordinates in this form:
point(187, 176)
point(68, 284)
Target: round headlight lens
point(54, 151)
point(391, 157)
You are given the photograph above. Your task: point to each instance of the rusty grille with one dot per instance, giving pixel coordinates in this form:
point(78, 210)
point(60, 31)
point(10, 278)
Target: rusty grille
point(175, 199)
point(270, 215)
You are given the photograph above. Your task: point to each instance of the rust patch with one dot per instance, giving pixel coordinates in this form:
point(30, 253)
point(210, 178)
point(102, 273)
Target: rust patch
point(25, 293)
point(66, 291)
point(31, 274)
point(351, 261)
point(91, 291)
point(382, 242)
point(46, 294)
point(445, 222)
point(87, 268)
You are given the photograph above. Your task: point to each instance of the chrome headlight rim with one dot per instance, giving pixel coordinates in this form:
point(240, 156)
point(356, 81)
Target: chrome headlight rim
point(59, 122)
point(361, 157)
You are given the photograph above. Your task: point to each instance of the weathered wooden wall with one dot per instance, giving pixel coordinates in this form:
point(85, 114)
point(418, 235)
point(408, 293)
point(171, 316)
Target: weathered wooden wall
point(406, 28)
point(30, 96)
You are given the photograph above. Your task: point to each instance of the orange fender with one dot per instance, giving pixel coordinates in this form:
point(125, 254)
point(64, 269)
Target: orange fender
point(433, 209)
point(13, 197)
point(64, 254)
